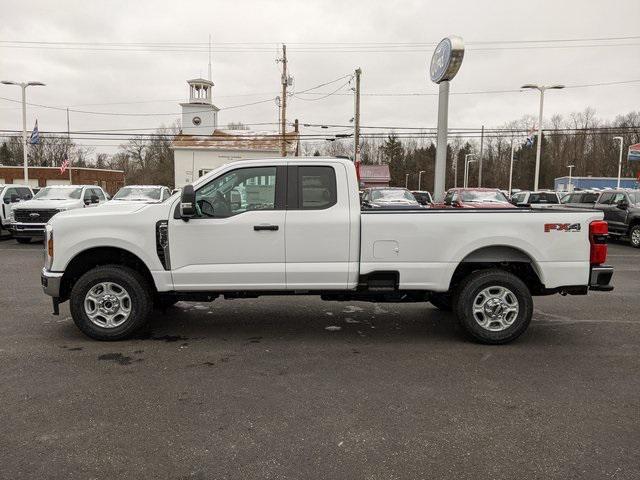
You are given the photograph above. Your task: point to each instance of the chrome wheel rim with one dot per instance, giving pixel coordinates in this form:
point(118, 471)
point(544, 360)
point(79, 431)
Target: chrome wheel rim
point(495, 308)
point(635, 236)
point(107, 305)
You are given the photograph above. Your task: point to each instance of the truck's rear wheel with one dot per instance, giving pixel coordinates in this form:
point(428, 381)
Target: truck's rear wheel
point(110, 302)
point(634, 236)
point(493, 306)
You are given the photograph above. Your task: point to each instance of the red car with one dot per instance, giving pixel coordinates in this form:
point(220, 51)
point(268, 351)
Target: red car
point(475, 198)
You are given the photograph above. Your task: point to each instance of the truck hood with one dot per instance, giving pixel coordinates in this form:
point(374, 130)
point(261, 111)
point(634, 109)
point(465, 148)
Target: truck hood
point(104, 209)
point(49, 204)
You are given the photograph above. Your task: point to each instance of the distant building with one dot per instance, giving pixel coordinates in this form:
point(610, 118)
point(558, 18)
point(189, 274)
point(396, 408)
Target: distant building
point(202, 146)
point(561, 184)
point(110, 180)
point(374, 175)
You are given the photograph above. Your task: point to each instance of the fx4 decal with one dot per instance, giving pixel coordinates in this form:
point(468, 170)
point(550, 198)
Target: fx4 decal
point(561, 227)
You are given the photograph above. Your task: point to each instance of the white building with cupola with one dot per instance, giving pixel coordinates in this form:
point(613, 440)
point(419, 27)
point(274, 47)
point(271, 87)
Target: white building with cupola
point(202, 146)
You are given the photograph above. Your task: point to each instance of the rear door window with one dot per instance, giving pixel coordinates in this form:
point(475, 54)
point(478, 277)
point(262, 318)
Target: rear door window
point(316, 187)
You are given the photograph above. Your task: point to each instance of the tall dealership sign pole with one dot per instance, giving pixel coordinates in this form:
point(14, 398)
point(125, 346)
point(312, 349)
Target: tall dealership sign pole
point(445, 64)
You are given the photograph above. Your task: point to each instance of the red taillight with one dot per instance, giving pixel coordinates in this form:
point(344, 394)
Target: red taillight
point(598, 232)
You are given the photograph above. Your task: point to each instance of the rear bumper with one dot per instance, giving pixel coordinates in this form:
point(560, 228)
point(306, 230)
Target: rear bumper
point(27, 229)
point(51, 282)
point(600, 278)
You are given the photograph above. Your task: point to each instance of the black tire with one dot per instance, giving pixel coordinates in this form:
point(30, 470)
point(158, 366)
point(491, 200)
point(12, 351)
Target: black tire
point(469, 291)
point(137, 288)
point(442, 301)
point(23, 240)
point(634, 236)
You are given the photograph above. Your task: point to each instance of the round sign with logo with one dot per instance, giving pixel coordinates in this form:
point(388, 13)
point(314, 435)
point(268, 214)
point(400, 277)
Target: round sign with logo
point(446, 59)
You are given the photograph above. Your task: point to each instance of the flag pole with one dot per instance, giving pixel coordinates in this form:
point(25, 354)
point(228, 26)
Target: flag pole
point(68, 142)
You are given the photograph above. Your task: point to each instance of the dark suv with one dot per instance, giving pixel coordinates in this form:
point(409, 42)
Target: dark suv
point(622, 212)
point(582, 199)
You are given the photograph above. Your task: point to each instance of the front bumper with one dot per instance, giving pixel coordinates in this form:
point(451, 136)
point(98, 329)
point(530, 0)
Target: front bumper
point(51, 282)
point(600, 278)
point(27, 229)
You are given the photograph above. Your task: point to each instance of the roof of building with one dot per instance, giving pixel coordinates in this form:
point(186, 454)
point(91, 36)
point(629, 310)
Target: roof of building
point(237, 140)
point(375, 173)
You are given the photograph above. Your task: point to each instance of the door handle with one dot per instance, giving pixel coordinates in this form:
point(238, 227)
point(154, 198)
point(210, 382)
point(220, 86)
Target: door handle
point(265, 227)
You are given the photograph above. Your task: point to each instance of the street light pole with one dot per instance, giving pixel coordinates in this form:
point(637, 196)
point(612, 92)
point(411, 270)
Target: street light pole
point(406, 180)
point(570, 186)
point(23, 86)
point(420, 179)
point(541, 89)
point(620, 160)
point(466, 168)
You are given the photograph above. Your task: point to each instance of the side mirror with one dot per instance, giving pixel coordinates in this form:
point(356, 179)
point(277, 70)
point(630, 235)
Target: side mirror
point(188, 203)
point(456, 204)
point(95, 199)
point(622, 204)
point(14, 198)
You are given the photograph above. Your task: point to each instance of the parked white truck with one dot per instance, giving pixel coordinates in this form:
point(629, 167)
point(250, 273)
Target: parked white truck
point(28, 219)
point(294, 226)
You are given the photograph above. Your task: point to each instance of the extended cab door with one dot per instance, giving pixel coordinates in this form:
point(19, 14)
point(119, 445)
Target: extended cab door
point(237, 239)
point(318, 227)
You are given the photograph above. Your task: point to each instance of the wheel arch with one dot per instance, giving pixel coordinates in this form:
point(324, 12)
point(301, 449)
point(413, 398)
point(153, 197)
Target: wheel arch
point(504, 257)
point(98, 256)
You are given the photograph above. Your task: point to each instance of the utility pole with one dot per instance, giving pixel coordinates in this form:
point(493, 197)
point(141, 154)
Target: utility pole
point(283, 102)
point(406, 180)
point(511, 166)
point(356, 125)
point(480, 159)
point(570, 186)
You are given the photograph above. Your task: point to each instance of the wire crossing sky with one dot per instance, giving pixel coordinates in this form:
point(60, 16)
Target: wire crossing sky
point(122, 66)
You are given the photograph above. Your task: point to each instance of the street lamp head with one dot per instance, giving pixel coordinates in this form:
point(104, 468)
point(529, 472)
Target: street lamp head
point(35, 84)
point(8, 82)
point(618, 138)
point(555, 87)
point(530, 85)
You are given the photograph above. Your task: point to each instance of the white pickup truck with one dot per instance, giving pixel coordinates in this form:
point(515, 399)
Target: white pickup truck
point(28, 219)
point(294, 226)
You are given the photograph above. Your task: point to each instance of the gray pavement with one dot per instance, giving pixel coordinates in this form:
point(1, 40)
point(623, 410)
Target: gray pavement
point(262, 389)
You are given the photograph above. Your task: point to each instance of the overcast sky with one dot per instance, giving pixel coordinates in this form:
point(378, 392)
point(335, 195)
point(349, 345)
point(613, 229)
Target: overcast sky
point(89, 79)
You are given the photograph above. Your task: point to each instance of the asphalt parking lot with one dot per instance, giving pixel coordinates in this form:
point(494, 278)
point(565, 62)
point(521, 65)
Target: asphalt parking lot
point(270, 388)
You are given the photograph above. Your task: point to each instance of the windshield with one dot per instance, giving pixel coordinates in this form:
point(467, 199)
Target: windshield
point(58, 193)
point(482, 196)
point(395, 194)
point(138, 194)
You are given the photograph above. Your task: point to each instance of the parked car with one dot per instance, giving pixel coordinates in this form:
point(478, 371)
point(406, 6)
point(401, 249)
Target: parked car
point(622, 212)
point(528, 199)
point(308, 236)
point(28, 219)
point(388, 197)
point(423, 197)
point(10, 196)
point(475, 198)
point(142, 193)
point(581, 199)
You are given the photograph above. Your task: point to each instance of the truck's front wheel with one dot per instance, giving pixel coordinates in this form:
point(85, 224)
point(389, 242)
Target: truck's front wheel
point(634, 236)
point(110, 302)
point(493, 306)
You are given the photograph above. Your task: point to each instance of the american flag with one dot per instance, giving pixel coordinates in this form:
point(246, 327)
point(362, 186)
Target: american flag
point(35, 135)
point(532, 133)
point(65, 164)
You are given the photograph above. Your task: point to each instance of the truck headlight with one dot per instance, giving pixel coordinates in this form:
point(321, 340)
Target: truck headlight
point(12, 216)
point(48, 250)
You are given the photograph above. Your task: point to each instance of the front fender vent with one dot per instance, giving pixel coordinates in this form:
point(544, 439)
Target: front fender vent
point(162, 243)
